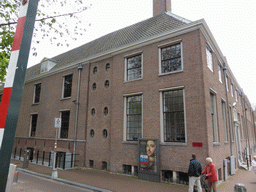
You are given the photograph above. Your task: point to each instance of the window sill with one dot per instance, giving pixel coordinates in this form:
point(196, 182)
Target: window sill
point(128, 81)
point(173, 144)
point(130, 142)
point(226, 142)
point(66, 98)
point(169, 73)
point(216, 143)
point(34, 104)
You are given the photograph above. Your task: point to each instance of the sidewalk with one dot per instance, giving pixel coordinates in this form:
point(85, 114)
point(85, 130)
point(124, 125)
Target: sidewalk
point(124, 183)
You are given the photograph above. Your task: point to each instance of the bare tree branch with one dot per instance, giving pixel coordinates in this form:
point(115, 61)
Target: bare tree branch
point(43, 19)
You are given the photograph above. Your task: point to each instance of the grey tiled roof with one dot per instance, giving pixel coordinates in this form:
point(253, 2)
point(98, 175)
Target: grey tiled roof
point(136, 32)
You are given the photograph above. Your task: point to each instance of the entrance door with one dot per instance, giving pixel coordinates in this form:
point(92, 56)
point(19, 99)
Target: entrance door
point(238, 142)
point(61, 160)
point(31, 153)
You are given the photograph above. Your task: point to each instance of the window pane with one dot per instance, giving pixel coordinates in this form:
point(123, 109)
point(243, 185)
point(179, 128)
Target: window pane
point(171, 58)
point(209, 58)
point(67, 86)
point(134, 67)
point(33, 125)
point(37, 93)
point(173, 116)
point(64, 124)
point(133, 117)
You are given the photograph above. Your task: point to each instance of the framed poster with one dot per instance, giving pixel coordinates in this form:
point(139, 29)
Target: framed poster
point(149, 159)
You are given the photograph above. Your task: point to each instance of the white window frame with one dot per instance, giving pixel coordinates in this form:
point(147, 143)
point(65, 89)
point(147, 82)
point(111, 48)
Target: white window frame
point(224, 119)
point(63, 85)
point(59, 132)
point(209, 57)
point(226, 81)
point(31, 123)
point(162, 120)
point(232, 89)
point(160, 56)
point(215, 117)
point(125, 115)
point(34, 97)
point(236, 94)
point(125, 68)
point(220, 73)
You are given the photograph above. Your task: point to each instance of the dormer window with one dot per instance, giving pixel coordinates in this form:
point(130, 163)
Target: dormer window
point(47, 65)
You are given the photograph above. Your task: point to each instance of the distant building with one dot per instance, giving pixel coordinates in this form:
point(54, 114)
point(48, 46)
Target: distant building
point(163, 78)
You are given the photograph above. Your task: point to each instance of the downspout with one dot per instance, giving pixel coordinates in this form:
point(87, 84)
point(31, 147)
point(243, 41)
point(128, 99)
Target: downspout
point(80, 67)
point(229, 115)
point(86, 107)
point(246, 130)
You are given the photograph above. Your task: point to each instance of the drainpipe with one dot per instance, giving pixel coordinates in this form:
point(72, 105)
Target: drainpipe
point(246, 130)
point(229, 115)
point(80, 67)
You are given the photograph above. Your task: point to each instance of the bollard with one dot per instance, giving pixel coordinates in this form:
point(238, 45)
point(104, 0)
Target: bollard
point(239, 187)
point(15, 178)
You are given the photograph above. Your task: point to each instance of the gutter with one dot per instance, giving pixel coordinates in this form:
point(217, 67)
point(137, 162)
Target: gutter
point(80, 67)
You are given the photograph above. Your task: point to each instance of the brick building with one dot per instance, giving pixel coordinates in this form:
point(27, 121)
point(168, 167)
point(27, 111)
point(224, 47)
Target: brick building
point(163, 78)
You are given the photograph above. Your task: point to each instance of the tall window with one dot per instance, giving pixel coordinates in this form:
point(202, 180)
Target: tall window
point(214, 117)
point(64, 124)
point(236, 94)
point(231, 127)
point(37, 93)
point(33, 125)
point(133, 67)
point(171, 58)
point(209, 58)
point(173, 116)
point(67, 86)
point(227, 85)
point(133, 118)
point(224, 118)
point(232, 89)
point(220, 73)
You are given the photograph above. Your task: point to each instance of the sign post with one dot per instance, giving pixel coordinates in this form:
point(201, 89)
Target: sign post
point(57, 125)
point(12, 94)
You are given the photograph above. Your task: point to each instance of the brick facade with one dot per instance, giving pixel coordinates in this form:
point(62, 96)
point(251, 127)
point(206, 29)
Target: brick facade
point(196, 80)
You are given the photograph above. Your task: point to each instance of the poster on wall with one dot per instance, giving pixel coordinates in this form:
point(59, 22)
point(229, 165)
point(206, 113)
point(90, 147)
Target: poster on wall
point(149, 159)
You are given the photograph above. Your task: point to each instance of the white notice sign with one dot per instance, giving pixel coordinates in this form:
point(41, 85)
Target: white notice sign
point(57, 122)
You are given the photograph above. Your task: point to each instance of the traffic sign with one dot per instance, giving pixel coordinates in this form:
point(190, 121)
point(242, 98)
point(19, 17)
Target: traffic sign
point(57, 122)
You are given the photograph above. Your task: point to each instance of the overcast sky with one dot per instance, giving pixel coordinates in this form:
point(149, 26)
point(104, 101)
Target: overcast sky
point(232, 23)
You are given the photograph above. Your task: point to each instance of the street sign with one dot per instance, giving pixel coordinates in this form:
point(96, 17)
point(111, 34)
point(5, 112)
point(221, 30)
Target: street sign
point(57, 122)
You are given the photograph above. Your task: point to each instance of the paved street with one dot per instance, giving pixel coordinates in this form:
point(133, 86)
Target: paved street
point(32, 183)
point(112, 181)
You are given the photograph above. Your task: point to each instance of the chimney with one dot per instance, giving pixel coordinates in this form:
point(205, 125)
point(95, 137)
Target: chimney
point(161, 6)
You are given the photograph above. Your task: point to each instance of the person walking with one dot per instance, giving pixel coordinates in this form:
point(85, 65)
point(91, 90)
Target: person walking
point(211, 175)
point(254, 164)
point(194, 172)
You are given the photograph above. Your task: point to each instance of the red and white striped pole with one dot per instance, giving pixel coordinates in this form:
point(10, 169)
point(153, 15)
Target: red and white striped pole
point(12, 68)
point(12, 94)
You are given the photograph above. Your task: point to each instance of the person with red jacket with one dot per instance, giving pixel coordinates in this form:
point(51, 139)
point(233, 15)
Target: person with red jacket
point(211, 175)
